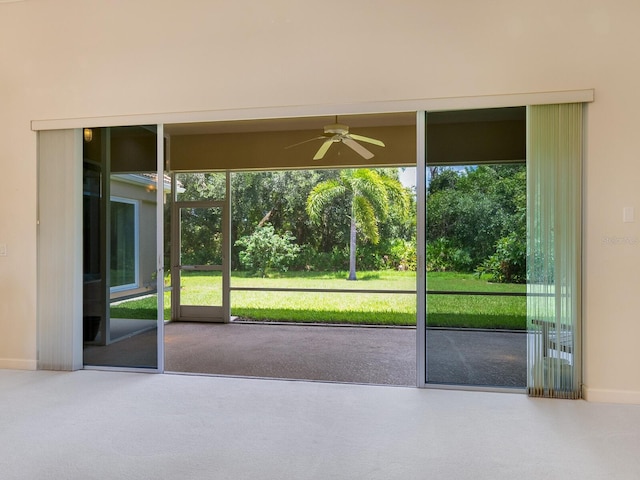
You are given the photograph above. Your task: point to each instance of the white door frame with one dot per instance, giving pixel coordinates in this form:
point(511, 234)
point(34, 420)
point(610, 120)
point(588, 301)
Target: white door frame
point(160, 243)
point(199, 313)
point(421, 249)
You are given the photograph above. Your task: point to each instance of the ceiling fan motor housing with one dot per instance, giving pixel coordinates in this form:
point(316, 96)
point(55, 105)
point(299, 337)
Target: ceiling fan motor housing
point(336, 128)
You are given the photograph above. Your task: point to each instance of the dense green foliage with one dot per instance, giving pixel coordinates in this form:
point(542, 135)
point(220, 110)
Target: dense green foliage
point(264, 250)
point(280, 198)
point(508, 264)
point(475, 218)
point(476, 221)
point(369, 194)
point(201, 228)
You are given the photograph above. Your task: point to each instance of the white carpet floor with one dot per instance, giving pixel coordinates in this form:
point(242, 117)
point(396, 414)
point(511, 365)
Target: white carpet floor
point(108, 425)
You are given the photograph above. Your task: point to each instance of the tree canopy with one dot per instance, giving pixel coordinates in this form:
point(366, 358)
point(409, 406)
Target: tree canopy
point(471, 214)
point(279, 198)
point(476, 217)
point(369, 194)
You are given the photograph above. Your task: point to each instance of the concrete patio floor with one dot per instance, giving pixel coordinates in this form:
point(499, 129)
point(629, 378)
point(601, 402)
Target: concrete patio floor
point(368, 355)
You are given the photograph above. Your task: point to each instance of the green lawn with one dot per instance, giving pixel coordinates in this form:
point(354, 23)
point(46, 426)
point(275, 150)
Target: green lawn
point(355, 308)
point(474, 311)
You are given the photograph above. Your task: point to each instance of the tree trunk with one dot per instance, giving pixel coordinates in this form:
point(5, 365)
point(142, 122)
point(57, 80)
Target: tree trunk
point(352, 248)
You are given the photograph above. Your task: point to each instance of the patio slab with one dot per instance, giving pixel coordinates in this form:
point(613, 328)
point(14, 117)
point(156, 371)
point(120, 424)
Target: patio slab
point(335, 354)
point(350, 354)
point(345, 354)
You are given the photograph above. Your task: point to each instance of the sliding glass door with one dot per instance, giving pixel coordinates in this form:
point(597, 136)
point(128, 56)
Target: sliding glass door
point(123, 277)
point(475, 248)
point(499, 302)
point(123, 284)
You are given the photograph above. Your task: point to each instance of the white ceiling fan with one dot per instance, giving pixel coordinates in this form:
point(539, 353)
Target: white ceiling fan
point(337, 132)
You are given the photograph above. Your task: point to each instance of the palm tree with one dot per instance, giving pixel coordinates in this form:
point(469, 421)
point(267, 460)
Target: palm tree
point(370, 193)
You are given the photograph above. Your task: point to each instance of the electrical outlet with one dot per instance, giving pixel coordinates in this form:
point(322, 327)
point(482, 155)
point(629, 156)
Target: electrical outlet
point(3, 249)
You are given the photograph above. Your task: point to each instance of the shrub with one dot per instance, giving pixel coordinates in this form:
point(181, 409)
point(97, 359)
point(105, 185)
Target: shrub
point(443, 256)
point(402, 255)
point(312, 260)
point(264, 249)
point(508, 264)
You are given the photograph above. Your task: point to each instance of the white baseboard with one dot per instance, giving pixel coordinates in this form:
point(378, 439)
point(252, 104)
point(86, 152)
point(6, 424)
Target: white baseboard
point(612, 396)
point(18, 364)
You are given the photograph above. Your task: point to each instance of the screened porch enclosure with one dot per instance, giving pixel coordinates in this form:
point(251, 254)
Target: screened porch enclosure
point(255, 299)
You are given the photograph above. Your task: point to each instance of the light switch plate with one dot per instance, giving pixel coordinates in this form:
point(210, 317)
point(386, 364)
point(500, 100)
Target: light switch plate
point(3, 249)
point(628, 215)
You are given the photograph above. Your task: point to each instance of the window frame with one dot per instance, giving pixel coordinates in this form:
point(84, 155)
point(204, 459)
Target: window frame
point(136, 242)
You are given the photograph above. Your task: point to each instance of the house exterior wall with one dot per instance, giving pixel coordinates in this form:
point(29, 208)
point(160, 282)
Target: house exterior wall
point(147, 205)
point(90, 58)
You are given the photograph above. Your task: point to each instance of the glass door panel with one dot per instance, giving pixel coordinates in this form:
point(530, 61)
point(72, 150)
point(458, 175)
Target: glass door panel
point(121, 314)
point(475, 258)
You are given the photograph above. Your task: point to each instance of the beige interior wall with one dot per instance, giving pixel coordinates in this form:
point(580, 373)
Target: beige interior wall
point(92, 58)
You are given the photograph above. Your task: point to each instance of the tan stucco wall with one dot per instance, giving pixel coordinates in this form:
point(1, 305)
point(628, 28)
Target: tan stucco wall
point(91, 58)
point(147, 205)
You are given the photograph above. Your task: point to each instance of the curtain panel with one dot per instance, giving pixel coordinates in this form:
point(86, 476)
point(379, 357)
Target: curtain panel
point(554, 245)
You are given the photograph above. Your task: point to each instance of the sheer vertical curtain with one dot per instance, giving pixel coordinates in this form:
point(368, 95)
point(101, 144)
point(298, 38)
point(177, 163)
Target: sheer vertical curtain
point(554, 211)
point(59, 250)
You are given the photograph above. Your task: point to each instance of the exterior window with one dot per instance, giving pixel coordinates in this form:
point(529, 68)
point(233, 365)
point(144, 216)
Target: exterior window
point(124, 259)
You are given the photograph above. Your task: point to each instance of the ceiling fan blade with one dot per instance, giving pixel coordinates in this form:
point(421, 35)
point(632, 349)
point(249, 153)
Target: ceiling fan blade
point(366, 139)
point(359, 149)
point(323, 149)
point(305, 141)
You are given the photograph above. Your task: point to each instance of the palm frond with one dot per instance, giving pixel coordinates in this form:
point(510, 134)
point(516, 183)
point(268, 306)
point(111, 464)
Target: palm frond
point(366, 220)
point(397, 194)
point(322, 195)
point(369, 184)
